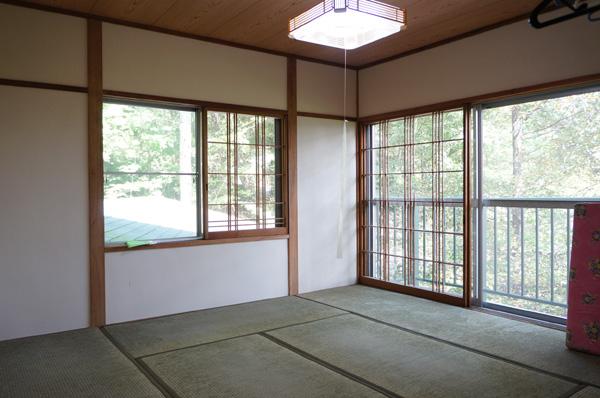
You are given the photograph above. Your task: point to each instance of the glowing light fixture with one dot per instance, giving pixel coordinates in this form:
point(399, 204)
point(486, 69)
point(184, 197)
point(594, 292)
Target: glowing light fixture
point(347, 24)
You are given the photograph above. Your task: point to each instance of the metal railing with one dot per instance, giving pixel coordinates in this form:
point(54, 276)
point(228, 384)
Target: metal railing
point(525, 252)
point(422, 249)
point(525, 249)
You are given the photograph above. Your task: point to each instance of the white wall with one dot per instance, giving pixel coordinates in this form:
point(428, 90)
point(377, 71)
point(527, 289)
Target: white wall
point(43, 168)
point(321, 89)
point(142, 61)
point(43, 204)
point(43, 233)
point(43, 175)
point(319, 186)
point(148, 283)
point(509, 57)
point(41, 46)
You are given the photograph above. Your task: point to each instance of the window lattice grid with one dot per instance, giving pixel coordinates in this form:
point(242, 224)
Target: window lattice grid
point(245, 174)
point(413, 221)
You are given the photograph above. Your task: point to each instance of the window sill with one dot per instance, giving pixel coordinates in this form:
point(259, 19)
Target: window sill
point(214, 239)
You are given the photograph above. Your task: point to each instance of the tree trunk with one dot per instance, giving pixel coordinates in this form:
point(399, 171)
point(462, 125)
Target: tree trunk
point(517, 119)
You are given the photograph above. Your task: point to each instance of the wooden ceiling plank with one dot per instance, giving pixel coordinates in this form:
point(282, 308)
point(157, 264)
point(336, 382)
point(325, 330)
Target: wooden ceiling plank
point(138, 11)
point(434, 24)
point(264, 19)
point(201, 17)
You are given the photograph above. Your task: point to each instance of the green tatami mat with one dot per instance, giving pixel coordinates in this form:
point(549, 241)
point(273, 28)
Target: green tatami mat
point(250, 366)
point(75, 364)
point(588, 392)
point(532, 345)
point(415, 366)
point(178, 331)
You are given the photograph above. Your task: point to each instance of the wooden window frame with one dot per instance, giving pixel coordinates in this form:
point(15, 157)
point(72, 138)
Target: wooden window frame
point(570, 83)
point(363, 198)
point(275, 231)
point(201, 109)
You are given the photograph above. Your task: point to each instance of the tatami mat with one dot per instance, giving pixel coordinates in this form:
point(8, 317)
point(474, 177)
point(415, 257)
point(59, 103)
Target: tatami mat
point(178, 331)
point(398, 345)
point(532, 345)
point(78, 364)
point(250, 366)
point(415, 366)
point(588, 392)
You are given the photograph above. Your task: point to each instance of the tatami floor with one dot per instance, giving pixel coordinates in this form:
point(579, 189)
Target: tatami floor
point(346, 342)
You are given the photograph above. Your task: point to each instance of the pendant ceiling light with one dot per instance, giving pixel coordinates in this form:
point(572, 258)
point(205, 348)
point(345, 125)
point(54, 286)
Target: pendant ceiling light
point(347, 24)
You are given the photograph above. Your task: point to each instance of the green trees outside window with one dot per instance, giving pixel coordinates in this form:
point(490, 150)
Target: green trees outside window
point(153, 173)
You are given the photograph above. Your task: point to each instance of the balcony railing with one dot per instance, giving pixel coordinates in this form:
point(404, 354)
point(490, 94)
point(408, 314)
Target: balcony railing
point(525, 253)
point(421, 252)
point(525, 250)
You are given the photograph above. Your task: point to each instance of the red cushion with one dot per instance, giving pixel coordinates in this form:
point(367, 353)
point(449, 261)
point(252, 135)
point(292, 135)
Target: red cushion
point(583, 318)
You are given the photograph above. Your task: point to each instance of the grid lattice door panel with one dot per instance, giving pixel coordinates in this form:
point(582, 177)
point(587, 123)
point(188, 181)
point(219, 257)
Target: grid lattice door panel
point(413, 199)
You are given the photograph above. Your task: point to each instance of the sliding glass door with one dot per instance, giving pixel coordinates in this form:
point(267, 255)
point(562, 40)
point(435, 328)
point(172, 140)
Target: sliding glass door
point(424, 231)
point(414, 190)
point(539, 156)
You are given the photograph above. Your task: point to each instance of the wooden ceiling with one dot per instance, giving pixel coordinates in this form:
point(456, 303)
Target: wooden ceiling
point(263, 23)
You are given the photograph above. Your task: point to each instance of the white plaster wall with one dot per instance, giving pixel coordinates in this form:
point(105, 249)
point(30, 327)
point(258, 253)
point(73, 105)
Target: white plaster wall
point(43, 205)
point(321, 89)
point(43, 165)
point(149, 283)
point(42, 46)
point(319, 185)
point(509, 57)
point(147, 62)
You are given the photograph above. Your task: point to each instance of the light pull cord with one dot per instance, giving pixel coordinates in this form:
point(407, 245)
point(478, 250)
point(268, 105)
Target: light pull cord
point(341, 209)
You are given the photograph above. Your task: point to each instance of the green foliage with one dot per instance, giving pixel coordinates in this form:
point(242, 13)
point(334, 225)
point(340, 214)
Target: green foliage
point(389, 151)
point(538, 149)
point(139, 139)
point(242, 145)
point(243, 152)
point(543, 149)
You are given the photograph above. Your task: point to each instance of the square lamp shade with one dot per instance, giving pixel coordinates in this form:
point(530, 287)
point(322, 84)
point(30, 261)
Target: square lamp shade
point(347, 24)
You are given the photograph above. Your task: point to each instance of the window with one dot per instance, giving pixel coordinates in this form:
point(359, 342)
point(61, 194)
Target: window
point(245, 172)
point(542, 148)
point(151, 173)
point(533, 159)
point(412, 223)
point(158, 189)
point(540, 156)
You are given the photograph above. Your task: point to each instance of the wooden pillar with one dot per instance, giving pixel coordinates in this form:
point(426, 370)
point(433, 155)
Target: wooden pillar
point(95, 174)
point(359, 181)
point(292, 140)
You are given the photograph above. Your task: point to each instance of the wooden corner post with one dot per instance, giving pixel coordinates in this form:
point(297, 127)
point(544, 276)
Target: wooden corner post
point(95, 174)
point(292, 124)
point(359, 186)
